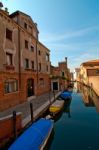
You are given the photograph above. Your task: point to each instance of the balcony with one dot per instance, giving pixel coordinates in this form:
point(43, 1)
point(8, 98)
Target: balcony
point(30, 69)
point(9, 67)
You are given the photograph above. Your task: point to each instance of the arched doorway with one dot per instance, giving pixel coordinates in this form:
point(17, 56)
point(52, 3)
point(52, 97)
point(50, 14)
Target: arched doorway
point(30, 87)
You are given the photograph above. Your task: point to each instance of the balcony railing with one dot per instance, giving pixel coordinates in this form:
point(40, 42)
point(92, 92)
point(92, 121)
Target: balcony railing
point(9, 67)
point(30, 69)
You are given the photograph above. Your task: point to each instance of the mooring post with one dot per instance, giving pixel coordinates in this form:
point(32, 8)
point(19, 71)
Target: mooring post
point(49, 98)
point(14, 125)
point(54, 94)
point(31, 111)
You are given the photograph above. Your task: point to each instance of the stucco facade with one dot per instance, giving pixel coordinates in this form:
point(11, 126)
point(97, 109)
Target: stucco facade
point(89, 74)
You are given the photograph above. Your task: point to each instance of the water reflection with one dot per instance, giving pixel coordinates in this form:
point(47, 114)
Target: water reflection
point(47, 147)
point(67, 107)
point(89, 96)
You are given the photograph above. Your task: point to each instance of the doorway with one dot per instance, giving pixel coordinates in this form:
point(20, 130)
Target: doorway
point(55, 86)
point(30, 87)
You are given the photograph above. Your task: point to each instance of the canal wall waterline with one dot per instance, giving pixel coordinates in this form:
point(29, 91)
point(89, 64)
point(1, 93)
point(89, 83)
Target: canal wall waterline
point(40, 105)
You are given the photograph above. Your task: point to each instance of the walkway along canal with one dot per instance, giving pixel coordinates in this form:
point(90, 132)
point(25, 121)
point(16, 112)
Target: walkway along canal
point(77, 128)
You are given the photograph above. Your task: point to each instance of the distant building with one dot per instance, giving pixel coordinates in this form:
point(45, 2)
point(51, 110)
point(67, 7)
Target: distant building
point(72, 76)
point(76, 73)
point(89, 74)
point(60, 76)
point(24, 60)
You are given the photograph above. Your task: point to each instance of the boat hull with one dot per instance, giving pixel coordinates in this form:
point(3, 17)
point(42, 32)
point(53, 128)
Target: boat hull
point(56, 107)
point(35, 137)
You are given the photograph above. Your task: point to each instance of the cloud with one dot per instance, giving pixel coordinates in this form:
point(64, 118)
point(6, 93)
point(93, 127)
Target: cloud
point(50, 37)
point(69, 45)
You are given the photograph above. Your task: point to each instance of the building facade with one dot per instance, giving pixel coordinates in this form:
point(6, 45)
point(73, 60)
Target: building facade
point(89, 74)
point(24, 60)
point(60, 76)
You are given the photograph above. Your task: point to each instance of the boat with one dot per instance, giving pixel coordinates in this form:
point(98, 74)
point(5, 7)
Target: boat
point(35, 137)
point(56, 107)
point(65, 95)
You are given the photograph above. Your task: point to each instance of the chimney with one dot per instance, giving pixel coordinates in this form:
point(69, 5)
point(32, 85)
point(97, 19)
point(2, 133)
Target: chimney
point(6, 11)
point(66, 60)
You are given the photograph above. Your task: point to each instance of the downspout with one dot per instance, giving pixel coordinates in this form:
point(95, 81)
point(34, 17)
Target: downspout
point(19, 53)
point(37, 59)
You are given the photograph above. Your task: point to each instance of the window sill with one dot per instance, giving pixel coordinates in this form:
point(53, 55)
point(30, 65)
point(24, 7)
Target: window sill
point(28, 69)
point(11, 93)
point(9, 67)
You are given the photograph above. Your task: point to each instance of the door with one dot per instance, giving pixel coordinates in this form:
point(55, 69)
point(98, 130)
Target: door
point(55, 86)
point(30, 87)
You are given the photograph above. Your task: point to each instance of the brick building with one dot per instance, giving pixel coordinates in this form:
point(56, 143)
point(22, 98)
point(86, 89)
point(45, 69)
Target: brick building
point(60, 76)
point(24, 60)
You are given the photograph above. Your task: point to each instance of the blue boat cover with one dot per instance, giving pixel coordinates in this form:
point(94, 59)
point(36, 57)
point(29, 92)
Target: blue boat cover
point(34, 136)
point(65, 95)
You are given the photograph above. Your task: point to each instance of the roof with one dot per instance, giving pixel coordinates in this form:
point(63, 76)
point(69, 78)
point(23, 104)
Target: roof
point(16, 13)
point(90, 62)
point(91, 67)
point(43, 45)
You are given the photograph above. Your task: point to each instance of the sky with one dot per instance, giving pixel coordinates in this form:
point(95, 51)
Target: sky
point(69, 28)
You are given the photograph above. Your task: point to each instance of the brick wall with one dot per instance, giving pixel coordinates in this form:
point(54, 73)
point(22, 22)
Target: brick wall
point(6, 128)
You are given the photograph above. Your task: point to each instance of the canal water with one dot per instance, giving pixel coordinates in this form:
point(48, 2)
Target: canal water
point(77, 128)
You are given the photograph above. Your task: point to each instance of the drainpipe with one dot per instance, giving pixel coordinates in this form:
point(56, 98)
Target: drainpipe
point(37, 60)
point(19, 53)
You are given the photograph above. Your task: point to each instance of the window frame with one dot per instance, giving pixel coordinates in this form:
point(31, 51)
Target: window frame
point(26, 44)
point(32, 65)
point(10, 57)
point(10, 86)
point(32, 48)
point(25, 25)
point(47, 57)
point(26, 63)
point(8, 34)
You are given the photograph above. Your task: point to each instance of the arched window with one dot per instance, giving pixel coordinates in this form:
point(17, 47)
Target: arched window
point(11, 85)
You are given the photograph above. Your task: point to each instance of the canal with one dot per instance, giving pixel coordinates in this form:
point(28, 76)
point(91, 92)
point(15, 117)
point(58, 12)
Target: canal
point(77, 128)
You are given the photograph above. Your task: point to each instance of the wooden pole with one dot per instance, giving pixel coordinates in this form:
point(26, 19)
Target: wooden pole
point(31, 111)
point(14, 125)
point(54, 94)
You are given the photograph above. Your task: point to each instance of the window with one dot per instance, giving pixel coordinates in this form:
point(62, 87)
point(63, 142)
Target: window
point(47, 57)
point(97, 71)
point(47, 68)
point(30, 29)
point(26, 44)
point(39, 66)
point(62, 74)
point(32, 65)
point(32, 48)
point(11, 85)
point(8, 34)
point(41, 82)
point(25, 25)
point(26, 63)
point(9, 59)
point(39, 52)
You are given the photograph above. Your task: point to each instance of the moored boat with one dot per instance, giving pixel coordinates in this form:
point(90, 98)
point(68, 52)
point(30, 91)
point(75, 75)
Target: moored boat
point(65, 95)
point(35, 137)
point(56, 107)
